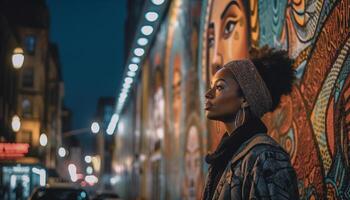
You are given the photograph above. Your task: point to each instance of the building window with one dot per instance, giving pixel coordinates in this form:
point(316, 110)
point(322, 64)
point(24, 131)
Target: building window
point(28, 78)
point(30, 43)
point(27, 108)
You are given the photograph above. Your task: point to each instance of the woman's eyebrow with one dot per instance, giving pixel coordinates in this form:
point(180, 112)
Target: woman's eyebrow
point(220, 79)
point(228, 7)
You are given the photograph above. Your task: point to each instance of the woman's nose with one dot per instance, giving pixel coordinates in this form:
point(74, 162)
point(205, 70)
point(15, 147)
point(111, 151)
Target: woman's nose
point(209, 94)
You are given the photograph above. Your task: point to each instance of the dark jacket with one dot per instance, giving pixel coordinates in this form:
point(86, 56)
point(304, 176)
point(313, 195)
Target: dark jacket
point(249, 164)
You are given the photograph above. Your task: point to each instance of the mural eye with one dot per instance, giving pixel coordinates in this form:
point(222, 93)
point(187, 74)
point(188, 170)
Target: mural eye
point(210, 41)
point(229, 28)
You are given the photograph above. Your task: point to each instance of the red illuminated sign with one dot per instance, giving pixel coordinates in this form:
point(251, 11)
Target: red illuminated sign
point(13, 150)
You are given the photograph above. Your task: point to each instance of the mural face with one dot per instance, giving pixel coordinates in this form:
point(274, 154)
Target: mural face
point(227, 33)
point(192, 164)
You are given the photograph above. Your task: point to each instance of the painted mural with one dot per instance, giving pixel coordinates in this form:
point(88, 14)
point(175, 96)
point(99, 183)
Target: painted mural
point(195, 39)
point(312, 124)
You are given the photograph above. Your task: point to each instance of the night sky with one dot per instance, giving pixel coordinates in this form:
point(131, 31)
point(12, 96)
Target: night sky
point(90, 35)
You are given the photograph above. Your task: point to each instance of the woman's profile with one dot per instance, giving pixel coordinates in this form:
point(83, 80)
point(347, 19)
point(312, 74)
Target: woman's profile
point(247, 163)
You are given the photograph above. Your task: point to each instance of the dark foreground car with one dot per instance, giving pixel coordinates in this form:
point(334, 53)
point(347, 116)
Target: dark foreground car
point(59, 193)
point(107, 196)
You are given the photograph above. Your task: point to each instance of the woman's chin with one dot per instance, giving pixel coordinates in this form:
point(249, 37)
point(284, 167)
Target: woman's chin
point(210, 115)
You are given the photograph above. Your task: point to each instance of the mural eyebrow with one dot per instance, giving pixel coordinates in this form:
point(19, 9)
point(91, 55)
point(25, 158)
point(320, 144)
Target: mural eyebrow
point(227, 8)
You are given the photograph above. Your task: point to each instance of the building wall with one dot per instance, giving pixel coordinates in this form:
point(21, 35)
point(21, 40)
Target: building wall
point(32, 123)
point(8, 80)
point(312, 123)
point(35, 91)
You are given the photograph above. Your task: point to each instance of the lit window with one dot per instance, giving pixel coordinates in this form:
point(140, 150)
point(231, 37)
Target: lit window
point(30, 43)
point(27, 108)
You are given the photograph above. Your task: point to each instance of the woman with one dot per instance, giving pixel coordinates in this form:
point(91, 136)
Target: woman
point(247, 163)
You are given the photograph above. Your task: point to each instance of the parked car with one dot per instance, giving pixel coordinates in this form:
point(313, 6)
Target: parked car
point(107, 196)
point(59, 193)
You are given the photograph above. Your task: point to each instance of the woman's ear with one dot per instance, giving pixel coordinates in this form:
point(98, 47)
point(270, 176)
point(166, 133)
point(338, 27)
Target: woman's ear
point(244, 104)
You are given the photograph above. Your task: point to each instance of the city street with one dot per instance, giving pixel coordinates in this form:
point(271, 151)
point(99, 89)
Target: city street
point(164, 99)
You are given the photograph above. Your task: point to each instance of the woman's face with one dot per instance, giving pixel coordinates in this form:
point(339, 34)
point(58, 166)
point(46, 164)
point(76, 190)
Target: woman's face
point(227, 33)
point(223, 99)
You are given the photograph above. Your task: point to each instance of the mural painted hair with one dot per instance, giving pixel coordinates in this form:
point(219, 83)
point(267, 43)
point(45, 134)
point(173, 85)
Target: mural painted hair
point(275, 68)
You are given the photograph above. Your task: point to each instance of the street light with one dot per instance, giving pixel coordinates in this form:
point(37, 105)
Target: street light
point(17, 58)
point(16, 123)
point(89, 170)
point(95, 127)
point(43, 139)
point(88, 159)
point(62, 152)
point(158, 2)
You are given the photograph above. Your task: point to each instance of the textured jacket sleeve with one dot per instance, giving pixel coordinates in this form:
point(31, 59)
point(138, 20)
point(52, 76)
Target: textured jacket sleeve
point(270, 175)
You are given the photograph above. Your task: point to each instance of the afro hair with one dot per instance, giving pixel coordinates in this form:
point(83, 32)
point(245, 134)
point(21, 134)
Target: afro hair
point(275, 68)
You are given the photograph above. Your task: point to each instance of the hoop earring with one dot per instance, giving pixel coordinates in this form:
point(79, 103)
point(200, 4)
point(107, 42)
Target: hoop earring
point(243, 116)
point(238, 115)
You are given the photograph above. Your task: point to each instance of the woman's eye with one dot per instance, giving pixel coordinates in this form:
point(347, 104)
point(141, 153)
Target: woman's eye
point(219, 87)
point(210, 41)
point(229, 27)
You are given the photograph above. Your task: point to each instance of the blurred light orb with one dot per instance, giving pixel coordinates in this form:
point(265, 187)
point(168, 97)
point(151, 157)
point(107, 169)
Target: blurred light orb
point(126, 86)
point(95, 127)
point(142, 41)
point(135, 60)
point(43, 139)
point(123, 95)
point(131, 74)
point(17, 58)
point(122, 100)
point(72, 169)
point(151, 16)
point(128, 80)
point(158, 2)
point(89, 170)
point(88, 159)
point(133, 67)
point(62, 152)
point(83, 194)
point(16, 123)
point(147, 30)
point(125, 90)
point(139, 51)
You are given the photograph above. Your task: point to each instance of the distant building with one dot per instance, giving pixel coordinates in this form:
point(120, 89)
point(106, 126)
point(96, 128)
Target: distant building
point(34, 92)
point(105, 142)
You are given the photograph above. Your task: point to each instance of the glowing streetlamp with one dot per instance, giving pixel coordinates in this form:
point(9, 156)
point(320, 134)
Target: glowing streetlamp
point(95, 127)
point(89, 170)
point(17, 58)
point(158, 2)
point(16, 123)
point(62, 152)
point(88, 159)
point(43, 139)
